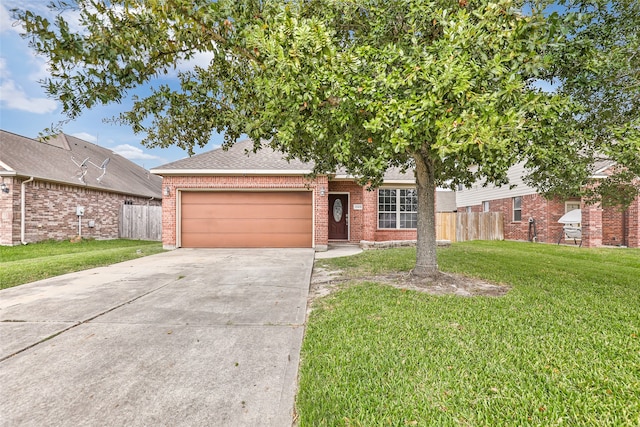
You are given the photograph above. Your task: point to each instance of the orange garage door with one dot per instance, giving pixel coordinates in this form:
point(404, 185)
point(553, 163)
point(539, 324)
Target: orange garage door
point(246, 219)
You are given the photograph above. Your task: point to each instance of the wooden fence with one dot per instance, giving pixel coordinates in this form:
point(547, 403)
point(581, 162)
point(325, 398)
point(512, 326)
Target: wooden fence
point(459, 227)
point(141, 222)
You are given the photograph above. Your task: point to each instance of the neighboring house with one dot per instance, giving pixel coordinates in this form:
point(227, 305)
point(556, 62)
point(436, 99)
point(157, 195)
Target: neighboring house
point(45, 185)
point(231, 199)
point(446, 201)
point(524, 208)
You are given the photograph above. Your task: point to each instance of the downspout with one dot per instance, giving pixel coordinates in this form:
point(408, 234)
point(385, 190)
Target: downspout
point(22, 208)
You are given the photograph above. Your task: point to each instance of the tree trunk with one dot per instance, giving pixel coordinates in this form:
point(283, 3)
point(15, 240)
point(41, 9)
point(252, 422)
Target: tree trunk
point(426, 258)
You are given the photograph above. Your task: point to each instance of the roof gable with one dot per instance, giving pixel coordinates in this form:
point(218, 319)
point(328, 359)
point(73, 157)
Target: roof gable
point(60, 160)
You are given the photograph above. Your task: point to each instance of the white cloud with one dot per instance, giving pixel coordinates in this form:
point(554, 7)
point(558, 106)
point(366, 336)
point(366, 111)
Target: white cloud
point(41, 68)
point(133, 153)
point(200, 59)
point(13, 97)
point(86, 137)
point(7, 23)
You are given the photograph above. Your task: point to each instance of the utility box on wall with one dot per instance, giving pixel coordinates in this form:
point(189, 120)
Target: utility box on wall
point(80, 210)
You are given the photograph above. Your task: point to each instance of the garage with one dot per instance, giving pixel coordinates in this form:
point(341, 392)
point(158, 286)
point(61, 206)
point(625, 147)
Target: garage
point(246, 219)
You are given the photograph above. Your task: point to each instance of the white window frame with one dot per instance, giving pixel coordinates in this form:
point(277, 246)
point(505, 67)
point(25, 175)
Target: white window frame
point(397, 211)
point(514, 209)
point(571, 202)
point(485, 206)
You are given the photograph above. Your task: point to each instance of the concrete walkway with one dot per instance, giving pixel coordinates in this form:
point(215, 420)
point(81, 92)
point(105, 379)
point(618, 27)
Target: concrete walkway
point(339, 250)
point(192, 337)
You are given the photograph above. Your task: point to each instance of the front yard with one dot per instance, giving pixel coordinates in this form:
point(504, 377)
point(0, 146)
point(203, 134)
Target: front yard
point(562, 347)
point(36, 261)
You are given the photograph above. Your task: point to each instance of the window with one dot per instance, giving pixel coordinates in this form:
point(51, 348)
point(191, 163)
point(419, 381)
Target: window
point(517, 209)
point(397, 208)
point(485, 206)
point(569, 206)
point(468, 209)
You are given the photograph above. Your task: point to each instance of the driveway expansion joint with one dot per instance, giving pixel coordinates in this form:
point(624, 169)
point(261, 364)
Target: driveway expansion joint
point(78, 323)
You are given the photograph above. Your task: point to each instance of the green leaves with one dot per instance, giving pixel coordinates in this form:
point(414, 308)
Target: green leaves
point(359, 80)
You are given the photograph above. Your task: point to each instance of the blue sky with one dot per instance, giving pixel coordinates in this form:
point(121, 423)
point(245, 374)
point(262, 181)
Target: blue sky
point(26, 110)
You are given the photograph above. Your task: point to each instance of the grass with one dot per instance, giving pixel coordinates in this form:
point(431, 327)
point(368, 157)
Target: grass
point(36, 261)
point(561, 348)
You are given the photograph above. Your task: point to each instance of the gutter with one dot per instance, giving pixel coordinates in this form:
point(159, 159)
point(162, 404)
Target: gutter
point(239, 172)
point(22, 208)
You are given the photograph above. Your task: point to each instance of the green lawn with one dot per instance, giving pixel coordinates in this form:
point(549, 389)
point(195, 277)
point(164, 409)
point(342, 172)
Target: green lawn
point(561, 348)
point(24, 264)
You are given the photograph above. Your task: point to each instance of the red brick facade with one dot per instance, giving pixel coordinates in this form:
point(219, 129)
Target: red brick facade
point(363, 223)
point(608, 226)
point(50, 212)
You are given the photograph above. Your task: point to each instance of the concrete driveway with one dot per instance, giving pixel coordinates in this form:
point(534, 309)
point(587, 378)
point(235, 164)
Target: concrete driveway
point(192, 337)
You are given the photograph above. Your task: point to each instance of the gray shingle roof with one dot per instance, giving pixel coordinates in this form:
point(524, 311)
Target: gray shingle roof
point(240, 158)
point(53, 160)
point(601, 165)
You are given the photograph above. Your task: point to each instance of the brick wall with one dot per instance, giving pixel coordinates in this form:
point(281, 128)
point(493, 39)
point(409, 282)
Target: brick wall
point(633, 224)
point(591, 225)
point(613, 219)
point(177, 183)
point(50, 212)
point(321, 220)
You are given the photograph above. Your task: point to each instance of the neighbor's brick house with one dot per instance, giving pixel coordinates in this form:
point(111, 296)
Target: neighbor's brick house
point(43, 184)
point(237, 198)
point(600, 226)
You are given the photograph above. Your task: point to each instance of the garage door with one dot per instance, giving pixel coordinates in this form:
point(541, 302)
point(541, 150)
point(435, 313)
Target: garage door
point(246, 219)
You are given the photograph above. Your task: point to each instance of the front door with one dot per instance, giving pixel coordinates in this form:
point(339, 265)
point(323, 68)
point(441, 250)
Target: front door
point(338, 213)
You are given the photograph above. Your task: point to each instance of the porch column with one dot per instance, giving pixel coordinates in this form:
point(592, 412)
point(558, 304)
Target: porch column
point(633, 224)
point(591, 225)
point(369, 214)
point(321, 217)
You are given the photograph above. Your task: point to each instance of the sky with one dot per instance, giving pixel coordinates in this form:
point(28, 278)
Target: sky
point(25, 109)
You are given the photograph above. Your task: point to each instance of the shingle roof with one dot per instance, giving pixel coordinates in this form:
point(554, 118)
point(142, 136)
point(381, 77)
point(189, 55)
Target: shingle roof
point(57, 160)
point(601, 165)
point(240, 158)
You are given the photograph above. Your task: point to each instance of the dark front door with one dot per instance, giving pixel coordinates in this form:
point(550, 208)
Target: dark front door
point(338, 212)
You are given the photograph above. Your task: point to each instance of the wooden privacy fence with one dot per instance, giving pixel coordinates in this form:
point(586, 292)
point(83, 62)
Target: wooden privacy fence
point(141, 222)
point(459, 227)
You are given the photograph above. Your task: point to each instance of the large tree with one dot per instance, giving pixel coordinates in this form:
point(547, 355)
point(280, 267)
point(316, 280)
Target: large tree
point(445, 87)
point(599, 67)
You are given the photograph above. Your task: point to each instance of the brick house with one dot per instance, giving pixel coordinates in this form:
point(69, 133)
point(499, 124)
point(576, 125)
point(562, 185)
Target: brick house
point(524, 208)
point(43, 184)
point(237, 198)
